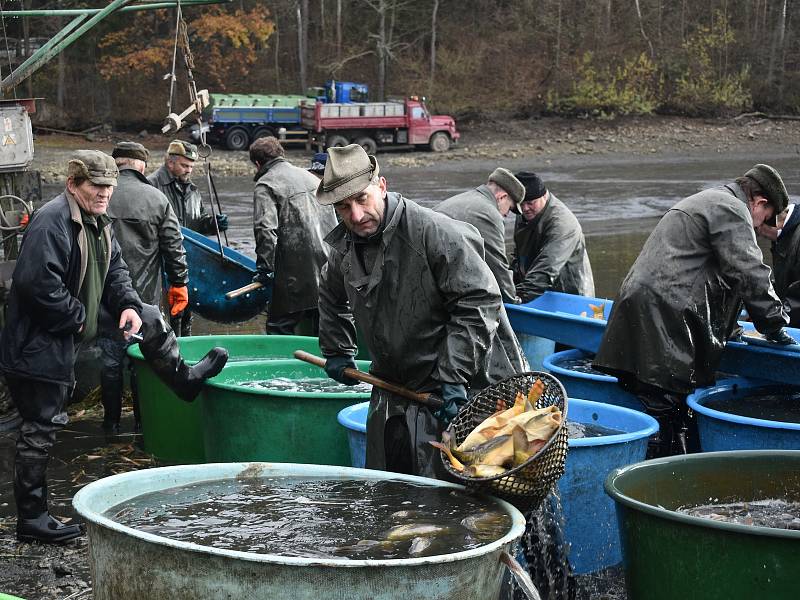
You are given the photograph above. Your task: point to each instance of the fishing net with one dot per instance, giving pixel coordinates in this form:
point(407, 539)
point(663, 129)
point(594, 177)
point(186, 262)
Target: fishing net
point(526, 485)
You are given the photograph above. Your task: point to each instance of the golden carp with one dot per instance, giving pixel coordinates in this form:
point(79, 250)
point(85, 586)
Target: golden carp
point(417, 530)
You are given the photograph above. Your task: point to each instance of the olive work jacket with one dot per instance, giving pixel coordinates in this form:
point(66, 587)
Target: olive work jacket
point(187, 204)
point(478, 207)
point(289, 226)
point(149, 235)
point(550, 254)
point(430, 313)
point(43, 313)
point(680, 301)
point(786, 266)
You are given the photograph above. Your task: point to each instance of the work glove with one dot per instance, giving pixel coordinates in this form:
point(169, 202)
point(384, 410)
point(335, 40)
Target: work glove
point(335, 366)
point(222, 222)
point(454, 396)
point(263, 277)
point(780, 337)
point(178, 298)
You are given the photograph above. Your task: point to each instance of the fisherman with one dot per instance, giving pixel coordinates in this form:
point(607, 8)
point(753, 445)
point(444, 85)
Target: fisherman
point(550, 250)
point(173, 179)
point(484, 208)
point(416, 285)
point(289, 227)
point(69, 269)
point(147, 230)
point(680, 301)
point(785, 238)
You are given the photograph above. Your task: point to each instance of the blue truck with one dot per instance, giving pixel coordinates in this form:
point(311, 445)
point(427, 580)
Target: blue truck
point(236, 120)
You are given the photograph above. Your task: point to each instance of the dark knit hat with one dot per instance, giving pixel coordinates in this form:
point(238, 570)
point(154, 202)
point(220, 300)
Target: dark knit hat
point(772, 184)
point(534, 186)
point(130, 150)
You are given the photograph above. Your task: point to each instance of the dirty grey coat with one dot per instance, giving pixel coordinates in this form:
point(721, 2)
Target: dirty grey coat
point(680, 301)
point(148, 234)
point(429, 314)
point(550, 254)
point(185, 199)
point(786, 266)
point(478, 207)
point(289, 226)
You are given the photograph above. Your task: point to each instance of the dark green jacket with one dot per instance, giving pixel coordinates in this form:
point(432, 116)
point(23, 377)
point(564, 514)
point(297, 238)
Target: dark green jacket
point(478, 207)
point(680, 301)
point(786, 266)
point(148, 234)
point(290, 226)
point(550, 254)
point(185, 200)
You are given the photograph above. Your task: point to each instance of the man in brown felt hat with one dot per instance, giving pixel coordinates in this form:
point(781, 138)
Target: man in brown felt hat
point(680, 301)
point(70, 270)
point(484, 208)
point(415, 283)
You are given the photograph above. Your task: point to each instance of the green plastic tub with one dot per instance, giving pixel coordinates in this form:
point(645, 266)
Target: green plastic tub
point(172, 428)
point(670, 555)
point(242, 423)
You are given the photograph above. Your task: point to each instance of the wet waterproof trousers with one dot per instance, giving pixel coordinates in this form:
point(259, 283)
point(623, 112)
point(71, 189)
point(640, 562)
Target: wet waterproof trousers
point(182, 323)
point(303, 322)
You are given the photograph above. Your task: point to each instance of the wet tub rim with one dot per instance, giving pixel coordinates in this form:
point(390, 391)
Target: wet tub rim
point(555, 368)
point(671, 515)
point(243, 389)
point(216, 471)
point(619, 438)
point(726, 385)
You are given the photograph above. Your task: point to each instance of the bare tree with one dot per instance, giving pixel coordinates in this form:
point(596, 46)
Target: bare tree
point(302, 41)
point(432, 80)
point(641, 28)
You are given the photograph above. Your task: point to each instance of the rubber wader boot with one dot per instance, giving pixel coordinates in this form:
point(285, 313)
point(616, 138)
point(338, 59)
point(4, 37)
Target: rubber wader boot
point(163, 355)
point(137, 415)
point(111, 395)
point(34, 522)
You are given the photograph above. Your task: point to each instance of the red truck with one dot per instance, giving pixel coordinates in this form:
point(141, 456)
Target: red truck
point(375, 125)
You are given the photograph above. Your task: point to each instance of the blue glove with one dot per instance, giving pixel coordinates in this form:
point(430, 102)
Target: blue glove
point(222, 222)
point(780, 337)
point(454, 397)
point(264, 277)
point(335, 366)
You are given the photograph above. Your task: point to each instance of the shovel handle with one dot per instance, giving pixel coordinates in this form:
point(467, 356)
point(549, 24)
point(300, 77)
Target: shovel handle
point(250, 287)
point(426, 399)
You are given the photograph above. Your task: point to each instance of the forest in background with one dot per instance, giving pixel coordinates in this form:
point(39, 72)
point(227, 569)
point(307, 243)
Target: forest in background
point(470, 58)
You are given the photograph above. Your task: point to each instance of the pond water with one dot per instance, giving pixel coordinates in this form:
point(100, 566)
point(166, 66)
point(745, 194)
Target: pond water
point(783, 407)
point(308, 385)
point(772, 512)
point(578, 430)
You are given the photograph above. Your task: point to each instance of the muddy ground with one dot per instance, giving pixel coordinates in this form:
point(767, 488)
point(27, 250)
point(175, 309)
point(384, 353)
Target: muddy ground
point(82, 454)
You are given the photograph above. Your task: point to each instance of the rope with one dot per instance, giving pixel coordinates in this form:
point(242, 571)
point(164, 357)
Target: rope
point(8, 51)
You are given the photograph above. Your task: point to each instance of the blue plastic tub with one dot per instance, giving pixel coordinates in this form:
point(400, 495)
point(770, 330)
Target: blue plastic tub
point(590, 517)
point(589, 386)
point(354, 419)
point(721, 431)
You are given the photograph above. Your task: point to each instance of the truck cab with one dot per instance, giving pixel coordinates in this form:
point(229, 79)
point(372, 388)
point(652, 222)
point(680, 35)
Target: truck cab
point(436, 131)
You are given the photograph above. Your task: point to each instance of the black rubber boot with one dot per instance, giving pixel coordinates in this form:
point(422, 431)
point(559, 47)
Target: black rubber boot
point(34, 522)
point(137, 415)
point(165, 359)
point(111, 395)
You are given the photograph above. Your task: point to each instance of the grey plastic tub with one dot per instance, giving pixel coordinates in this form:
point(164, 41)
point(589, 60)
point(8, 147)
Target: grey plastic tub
point(128, 564)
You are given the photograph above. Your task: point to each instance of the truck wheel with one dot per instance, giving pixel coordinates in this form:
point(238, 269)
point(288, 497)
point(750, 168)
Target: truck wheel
point(262, 132)
point(237, 139)
point(439, 142)
point(368, 144)
point(337, 141)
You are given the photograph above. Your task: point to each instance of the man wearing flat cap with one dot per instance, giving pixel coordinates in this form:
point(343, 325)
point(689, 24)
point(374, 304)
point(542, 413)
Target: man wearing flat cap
point(785, 238)
point(484, 208)
point(150, 239)
point(549, 247)
point(681, 298)
point(70, 270)
point(289, 226)
point(173, 178)
point(416, 284)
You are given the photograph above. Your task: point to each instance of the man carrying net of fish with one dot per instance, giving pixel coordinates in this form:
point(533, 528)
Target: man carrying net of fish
point(416, 284)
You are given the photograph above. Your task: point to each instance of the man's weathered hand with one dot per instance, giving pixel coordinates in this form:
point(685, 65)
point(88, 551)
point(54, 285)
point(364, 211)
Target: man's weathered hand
point(454, 397)
point(129, 316)
point(335, 366)
point(222, 222)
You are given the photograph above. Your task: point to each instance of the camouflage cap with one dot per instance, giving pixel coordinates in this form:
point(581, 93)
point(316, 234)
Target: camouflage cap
point(98, 167)
point(130, 150)
point(772, 184)
point(181, 148)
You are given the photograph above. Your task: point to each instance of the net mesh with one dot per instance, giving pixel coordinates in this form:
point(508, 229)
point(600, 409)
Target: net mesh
point(526, 485)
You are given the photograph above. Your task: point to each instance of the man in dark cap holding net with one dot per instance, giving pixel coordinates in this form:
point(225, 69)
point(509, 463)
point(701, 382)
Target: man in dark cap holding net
point(680, 301)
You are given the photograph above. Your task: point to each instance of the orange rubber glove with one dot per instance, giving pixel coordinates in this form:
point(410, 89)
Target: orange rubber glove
point(23, 222)
point(178, 298)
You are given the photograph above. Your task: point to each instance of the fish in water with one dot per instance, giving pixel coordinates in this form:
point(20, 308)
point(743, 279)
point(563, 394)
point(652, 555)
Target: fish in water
point(598, 311)
point(409, 532)
point(419, 545)
point(488, 524)
point(408, 515)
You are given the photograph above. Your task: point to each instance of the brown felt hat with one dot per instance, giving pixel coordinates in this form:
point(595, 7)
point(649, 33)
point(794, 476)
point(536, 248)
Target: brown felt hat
point(98, 167)
point(349, 170)
point(772, 184)
point(131, 150)
point(513, 186)
point(181, 148)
